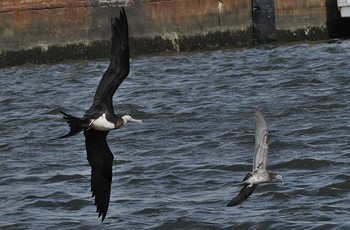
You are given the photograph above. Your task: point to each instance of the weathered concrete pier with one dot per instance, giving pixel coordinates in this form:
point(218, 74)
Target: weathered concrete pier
point(44, 31)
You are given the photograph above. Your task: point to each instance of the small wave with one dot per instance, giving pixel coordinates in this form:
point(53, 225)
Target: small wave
point(184, 223)
point(306, 164)
point(335, 190)
point(72, 205)
point(60, 178)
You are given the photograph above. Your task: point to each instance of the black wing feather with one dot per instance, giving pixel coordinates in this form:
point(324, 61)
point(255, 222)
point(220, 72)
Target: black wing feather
point(119, 65)
point(100, 158)
point(243, 194)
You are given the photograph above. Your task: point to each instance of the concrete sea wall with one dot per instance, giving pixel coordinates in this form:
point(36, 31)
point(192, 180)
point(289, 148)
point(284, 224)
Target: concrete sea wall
point(44, 31)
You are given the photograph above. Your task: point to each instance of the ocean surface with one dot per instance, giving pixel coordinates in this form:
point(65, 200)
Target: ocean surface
point(179, 168)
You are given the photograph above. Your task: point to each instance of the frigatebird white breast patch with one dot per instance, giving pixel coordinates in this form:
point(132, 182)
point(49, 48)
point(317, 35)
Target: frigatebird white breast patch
point(102, 124)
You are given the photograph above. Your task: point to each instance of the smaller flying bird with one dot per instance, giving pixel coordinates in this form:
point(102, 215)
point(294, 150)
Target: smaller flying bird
point(100, 118)
point(259, 173)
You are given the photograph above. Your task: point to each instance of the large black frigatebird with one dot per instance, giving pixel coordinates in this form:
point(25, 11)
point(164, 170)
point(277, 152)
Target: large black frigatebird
point(259, 173)
point(100, 118)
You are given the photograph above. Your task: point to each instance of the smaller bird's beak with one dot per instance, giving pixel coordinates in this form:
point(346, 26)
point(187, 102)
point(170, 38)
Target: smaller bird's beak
point(279, 177)
point(135, 120)
point(282, 180)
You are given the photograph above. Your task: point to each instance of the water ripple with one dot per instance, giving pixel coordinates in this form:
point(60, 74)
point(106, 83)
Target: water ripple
point(178, 169)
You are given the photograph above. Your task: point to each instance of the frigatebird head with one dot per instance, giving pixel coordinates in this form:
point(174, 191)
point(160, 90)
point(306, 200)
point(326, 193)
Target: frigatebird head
point(128, 118)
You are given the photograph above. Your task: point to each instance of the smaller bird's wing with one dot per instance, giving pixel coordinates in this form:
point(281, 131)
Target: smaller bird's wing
point(119, 65)
point(243, 194)
point(261, 142)
point(100, 159)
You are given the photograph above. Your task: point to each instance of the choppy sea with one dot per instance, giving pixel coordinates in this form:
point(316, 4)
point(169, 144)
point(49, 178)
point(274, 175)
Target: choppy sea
point(178, 169)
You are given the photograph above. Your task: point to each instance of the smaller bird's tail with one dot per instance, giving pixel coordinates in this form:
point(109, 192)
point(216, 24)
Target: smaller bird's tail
point(76, 124)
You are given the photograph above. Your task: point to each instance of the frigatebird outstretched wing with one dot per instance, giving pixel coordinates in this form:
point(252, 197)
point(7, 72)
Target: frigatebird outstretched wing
point(119, 65)
point(261, 142)
point(245, 192)
point(100, 159)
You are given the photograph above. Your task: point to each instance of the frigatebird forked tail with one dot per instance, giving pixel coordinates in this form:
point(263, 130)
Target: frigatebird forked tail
point(76, 124)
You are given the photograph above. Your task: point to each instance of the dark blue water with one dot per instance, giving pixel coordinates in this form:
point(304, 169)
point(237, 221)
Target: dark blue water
point(177, 170)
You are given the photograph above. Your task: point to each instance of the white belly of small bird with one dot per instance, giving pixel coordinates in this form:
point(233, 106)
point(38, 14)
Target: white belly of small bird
point(255, 179)
point(102, 124)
